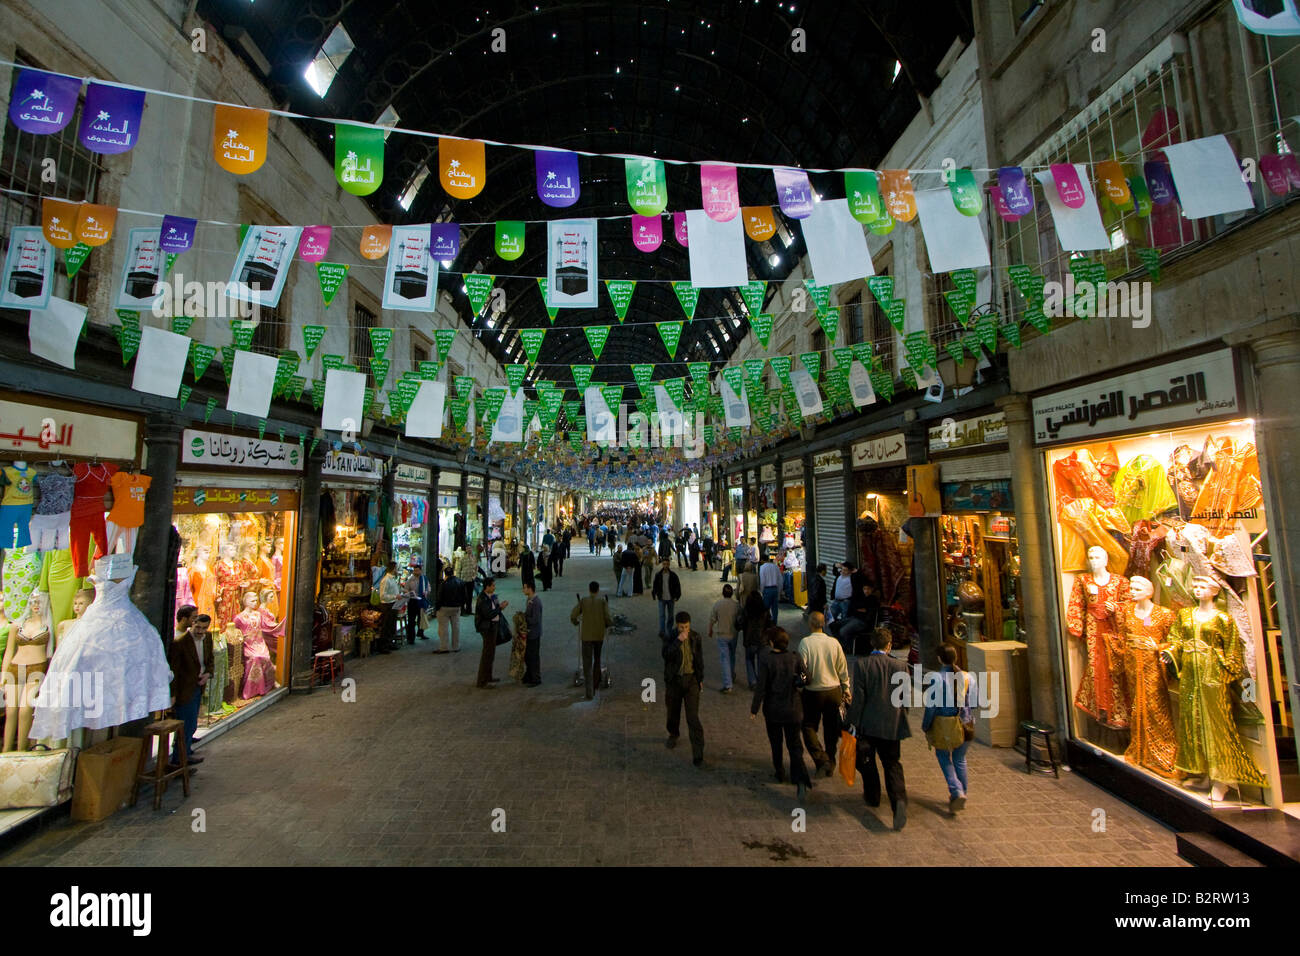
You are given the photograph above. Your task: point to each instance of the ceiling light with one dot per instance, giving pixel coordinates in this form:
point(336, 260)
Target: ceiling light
point(898, 68)
point(320, 72)
point(446, 264)
point(774, 259)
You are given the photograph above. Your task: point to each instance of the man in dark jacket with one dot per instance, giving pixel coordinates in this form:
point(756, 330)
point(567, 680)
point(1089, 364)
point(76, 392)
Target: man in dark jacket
point(679, 544)
point(683, 679)
point(817, 591)
point(568, 541)
point(532, 649)
point(777, 692)
point(665, 545)
point(527, 568)
point(190, 674)
point(487, 621)
point(450, 598)
point(879, 725)
point(753, 621)
point(667, 590)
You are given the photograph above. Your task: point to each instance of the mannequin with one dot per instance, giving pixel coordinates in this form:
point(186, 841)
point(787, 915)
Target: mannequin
point(80, 601)
point(229, 584)
point(1207, 648)
point(1145, 627)
point(277, 567)
point(26, 659)
point(203, 583)
point(215, 689)
point(255, 623)
point(1095, 604)
point(266, 577)
point(235, 656)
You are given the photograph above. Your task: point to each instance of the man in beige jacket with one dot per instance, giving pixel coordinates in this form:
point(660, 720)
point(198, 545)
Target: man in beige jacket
point(591, 614)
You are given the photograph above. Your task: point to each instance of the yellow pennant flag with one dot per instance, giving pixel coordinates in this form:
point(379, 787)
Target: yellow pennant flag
point(375, 240)
point(95, 223)
point(239, 138)
point(462, 167)
point(1111, 181)
point(760, 224)
point(59, 222)
point(896, 187)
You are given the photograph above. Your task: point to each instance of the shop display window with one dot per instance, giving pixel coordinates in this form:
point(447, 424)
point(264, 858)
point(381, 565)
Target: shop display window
point(795, 515)
point(981, 566)
point(885, 554)
point(237, 567)
point(348, 566)
point(1172, 645)
point(410, 522)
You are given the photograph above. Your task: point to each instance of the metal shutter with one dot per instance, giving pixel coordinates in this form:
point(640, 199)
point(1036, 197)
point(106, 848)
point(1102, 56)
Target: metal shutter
point(830, 533)
point(976, 467)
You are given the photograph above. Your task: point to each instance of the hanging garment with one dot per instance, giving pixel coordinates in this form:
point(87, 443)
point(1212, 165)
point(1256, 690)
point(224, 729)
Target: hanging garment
point(56, 494)
point(1144, 541)
point(1231, 485)
point(59, 579)
point(1102, 692)
point(1192, 543)
point(214, 692)
point(1184, 476)
point(1098, 526)
point(1142, 490)
point(128, 499)
point(88, 513)
point(1209, 662)
point(203, 587)
point(184, 590)
point(21, 574)
point(1152, 742)
point(230, 590)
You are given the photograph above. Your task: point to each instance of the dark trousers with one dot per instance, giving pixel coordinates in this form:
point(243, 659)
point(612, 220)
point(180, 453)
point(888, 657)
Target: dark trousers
point(532, 660)
point(467, 587)
point(412, 620)
point(591, 665)
point(488, 656)
point(821, 706)
point(188, 714)
point(895, 787)
point(793, 743)
point(557, 561)
point(388, 628)
point(686, 692)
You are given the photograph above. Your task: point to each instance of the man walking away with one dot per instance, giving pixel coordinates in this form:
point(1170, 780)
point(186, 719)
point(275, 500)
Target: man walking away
point(450, 599)
point(487, 620)
point(680, 544)
point(827, 688)
point(753, 622)
point(683, 679)
point(722, 627)
point(630, 566)
point(532, 650)
point(769, 579)
point(879, 725)
point(667, 590)
point(591, 614)
point(466, 574)
point(777, 692)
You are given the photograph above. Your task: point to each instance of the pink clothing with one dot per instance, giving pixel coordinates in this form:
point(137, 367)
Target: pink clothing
point(259, 670)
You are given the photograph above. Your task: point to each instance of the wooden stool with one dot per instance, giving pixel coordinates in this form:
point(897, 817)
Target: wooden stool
point(1028, 729)
point(162, 731)
point(327, 668)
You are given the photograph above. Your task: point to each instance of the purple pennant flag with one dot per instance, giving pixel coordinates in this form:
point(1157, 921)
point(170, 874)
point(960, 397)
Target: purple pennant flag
point(43, 103)
point(557, 177)
point(1019, 197)
point(679, 228)
point(794, 192)
point(110, 118)
point(1159, 182)
point(647, 232)
point(444, 241)
point(176, 235)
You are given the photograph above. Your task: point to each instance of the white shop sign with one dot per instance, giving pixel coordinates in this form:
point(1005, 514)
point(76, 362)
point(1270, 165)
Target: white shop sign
point(55, 431)
point(448, 501)
point(767, 473)
point(827, 462)
point(1189, 390)
point(414, 474)
point(475, 481)
point(792, 468)
point(880, 451)
point(969, 432)
point(217, 450)
point(344, 464)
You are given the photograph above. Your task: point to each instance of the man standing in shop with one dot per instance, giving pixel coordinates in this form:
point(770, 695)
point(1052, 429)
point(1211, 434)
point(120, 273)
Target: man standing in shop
point(667, 590)
point(190, 659)
point(532, 649)
point(390, 589)
point(683, 680)
point(591, 616)
point(769, 579)
point(417, 590)
point(488, 621)
point(826, 689)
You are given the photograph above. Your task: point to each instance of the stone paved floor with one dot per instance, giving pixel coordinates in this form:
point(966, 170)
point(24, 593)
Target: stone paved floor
point(413, 770)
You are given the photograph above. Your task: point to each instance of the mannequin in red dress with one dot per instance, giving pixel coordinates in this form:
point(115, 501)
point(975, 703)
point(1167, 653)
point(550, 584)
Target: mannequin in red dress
point(1096, 603)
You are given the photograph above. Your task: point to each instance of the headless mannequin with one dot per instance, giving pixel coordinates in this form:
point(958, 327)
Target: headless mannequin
point(26, 656)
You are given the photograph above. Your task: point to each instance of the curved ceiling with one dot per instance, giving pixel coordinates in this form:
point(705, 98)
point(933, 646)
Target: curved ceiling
point(692, 80)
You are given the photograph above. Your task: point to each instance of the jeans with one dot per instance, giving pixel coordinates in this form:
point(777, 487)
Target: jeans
point(787, 586)
point(685, 691)
point(188, 714)
point(727, 657)
point(751, 664)
point(591, 665)
point(837, 609)
point(895, 786)
point(822, 706)
point(793, 743)
point(771, 597)
point(667, 622)
point(855, 638)
point(953, 764)
point(624, 584)
point(412, 619)
point(448, 617)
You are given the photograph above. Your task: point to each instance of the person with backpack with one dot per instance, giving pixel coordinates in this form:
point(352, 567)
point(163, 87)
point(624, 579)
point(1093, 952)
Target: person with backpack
point(450, 599)
point(667, 590)
point(950, 727)
point(591, 615)
point(777, 692)
point(752, 623)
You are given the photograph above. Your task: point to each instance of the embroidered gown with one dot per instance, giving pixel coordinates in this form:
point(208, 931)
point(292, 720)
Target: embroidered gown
point(1153, 743)
point(1102, 692)
point(230, 590)
point(259, 671)
point(1210, 660)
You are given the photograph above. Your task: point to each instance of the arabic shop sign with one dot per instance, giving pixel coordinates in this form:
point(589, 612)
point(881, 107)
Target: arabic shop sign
point(216, 450)
point(767, 473)
point(792, 468)
point(985, 430)
point(827, 462)
point(1200, 388)
point(344, 464)
point(37, 430)
point(200, 499)
point(880, 451)
point(414, 474)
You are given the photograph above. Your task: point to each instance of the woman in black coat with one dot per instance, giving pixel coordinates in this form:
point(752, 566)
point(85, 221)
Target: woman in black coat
point(778, 694)
point(527, 565)
point(544, 569)
point(755, 622)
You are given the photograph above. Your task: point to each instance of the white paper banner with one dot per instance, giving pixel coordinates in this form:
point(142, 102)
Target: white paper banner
point(601, 424)
point(806, 391)
point(864, 393)
point(1078, 229)
point(671, 421)
point(930, 384)
point(251, 382)
point(734, 406)
point(836, 243)
point(717, 251)
point(160, 362)
point(424, 418)
point(509, 426)
point(345, 396)
point(263, 262)
point(952, 240)
point(411, 276)
point(571, 279)
point(1207, 177)
point(29, 270)
point(53, 332)
point(142, 273)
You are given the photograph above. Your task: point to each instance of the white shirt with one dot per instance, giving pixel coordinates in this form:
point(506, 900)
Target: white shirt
point(769, 575)
point(843, 588)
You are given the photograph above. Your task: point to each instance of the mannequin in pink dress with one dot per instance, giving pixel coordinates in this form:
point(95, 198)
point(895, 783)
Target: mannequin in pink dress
point(256, 623)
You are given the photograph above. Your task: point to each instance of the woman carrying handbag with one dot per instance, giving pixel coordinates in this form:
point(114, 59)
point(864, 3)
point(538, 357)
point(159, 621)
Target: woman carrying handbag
point(950, 728)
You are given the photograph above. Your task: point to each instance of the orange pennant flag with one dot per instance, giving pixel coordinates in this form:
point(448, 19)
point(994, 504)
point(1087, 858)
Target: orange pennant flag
point(760, 224)
point(95, 223)
point(462, 167)
point(59, 222)
point(375, 240)
point(1111, 181)
point(239, 138)
point(896, 187)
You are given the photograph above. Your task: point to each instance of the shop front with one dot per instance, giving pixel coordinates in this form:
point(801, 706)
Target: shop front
point(235, 505)
point(766, 508)
point(829, 508)
point(450, 519)
point(410, 515)
point(881, 506)
point(475, 502)
point(354, 544)
point(736, 500)
point(1171, 643)
point(796, 504)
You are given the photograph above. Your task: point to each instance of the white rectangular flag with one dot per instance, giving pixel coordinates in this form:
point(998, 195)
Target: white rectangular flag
point(251, 382)
point(601, 424)
point(806, 391)
point(160, 362)
point(1208, 177)
point(424, 418)
point(262, 265)
point(952, 240)
point(734, 406)
point(411, 277)
point(53, 332)
point(1079, 230)
point(509, 426)
point(671, 421)
point(345, 398)
point(717, 251)
point(836, 243)
point(571, 279)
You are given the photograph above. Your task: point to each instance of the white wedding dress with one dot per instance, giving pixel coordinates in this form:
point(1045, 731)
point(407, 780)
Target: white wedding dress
point(110, 668)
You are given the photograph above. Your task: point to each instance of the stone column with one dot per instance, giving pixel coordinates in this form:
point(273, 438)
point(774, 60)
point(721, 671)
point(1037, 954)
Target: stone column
point(306, 559)
point(162, 437)
point(927, 565)
point(809, 515)
point(1039, 581)
point(387, 488)
point(780, 505)
point(461, 534)
point(850, 505)
point(431, 531)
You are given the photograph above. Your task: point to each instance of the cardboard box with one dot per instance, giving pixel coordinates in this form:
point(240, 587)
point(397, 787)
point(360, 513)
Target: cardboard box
point(105, 774)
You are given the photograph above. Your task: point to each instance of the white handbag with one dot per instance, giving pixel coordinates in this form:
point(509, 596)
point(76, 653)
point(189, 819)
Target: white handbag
point(35, 778)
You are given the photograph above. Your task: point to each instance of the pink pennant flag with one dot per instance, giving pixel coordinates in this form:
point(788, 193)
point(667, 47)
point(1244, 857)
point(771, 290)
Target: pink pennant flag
point(1000, 202)
point(1280, 172)
point(314, 244)
point(720, 192)
point(1068, 185)
point(679, 228)
point(647, 232)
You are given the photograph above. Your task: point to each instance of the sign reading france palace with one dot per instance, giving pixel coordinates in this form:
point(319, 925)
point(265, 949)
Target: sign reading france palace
point(1203, 387)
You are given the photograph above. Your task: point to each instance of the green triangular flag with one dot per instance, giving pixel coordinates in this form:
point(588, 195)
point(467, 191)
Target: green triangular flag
point(128, 318)
point(843, 356)
point(671, 333)
point(907, 375)
point(754, 371)
point(261, 428)
point(443, 340)
point(676, 389)
point(379, 341)
point(515, 375)
point(955, 349)
point(862, 352)
point(699, 372)
point(571, 409)
point(464, 385)
point(478, 288)
point(330, 275)
point(761, 323)
point(228, 361)
point(1150, 261)
point(331, 362)
point(532, 339)
point(812, 361)
point(171, 259)
point(972, 344)
point(293, 390)
point(960, 304)
point(642, 374)
point(986, 327)
point(821, 295)
point(74, 258)
point(883, 384)
point(186, 392)
point(379, 368)
point(895, 313)
point(129, 339)
point(919, 350)
point(1036, 317)
point(546, 301)
point(200, 357)
point(241, 331)
point(311, 338)
point(181, 324)
point(312, 450)
point(582, 375)
point(689, 296)
point(613, 395)
point(830, 323)
point(1029, 284)
point(597, 335)
point(317, 393)
point(620, 293)
point(1011, 332)
point(882, 287)
point(207, 412)
point(753, 295)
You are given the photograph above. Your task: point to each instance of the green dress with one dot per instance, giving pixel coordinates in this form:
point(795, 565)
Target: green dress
point(214, 693)
point(61, 581)
point(1142, 489)
point(1209, 661)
